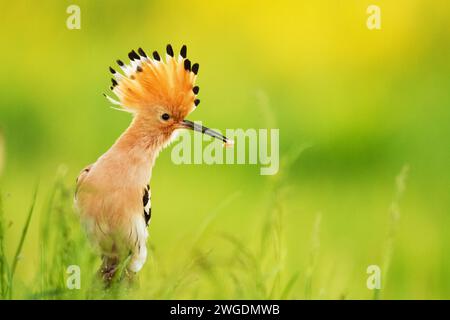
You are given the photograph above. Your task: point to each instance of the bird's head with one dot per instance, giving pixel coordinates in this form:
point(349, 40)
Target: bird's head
point(160, 93)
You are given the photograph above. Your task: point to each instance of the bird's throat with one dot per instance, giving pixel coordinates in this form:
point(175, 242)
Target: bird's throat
point(134, 153)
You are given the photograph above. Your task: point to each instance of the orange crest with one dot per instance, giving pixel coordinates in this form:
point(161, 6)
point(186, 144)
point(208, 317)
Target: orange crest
point(148, 82)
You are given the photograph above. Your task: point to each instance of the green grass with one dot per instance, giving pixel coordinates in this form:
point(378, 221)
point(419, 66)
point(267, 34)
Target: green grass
point(257, 273)
point(4, 267)
point(241, 270)
point(394, 218)
point(7, 272)
point(245, 272)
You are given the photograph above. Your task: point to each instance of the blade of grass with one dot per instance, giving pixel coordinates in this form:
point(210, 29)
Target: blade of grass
point(47, 238)
point(22, 240)
point(314, 252)
point(394, 218)
point(288, 288)
point(4, 268)
point(272, 234)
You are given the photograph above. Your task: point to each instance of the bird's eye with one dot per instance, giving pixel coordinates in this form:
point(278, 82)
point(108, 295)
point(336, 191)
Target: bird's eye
point(165, 116)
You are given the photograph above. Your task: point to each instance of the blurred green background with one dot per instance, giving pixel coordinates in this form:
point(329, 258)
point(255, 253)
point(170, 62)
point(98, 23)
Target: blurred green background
point(354, 107)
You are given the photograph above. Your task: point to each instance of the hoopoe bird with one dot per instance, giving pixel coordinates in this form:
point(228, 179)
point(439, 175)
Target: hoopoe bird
point(112, 195)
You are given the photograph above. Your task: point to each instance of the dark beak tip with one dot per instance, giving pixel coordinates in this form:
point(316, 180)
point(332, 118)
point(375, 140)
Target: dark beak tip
point(187, 124)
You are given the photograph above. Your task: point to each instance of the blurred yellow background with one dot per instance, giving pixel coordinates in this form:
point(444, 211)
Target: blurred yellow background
point(361, 105)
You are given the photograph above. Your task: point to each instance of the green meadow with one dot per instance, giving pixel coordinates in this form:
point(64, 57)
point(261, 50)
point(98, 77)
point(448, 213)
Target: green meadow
point(364, 123)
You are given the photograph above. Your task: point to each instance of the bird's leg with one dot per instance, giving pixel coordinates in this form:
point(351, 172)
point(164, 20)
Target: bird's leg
point(108, 270)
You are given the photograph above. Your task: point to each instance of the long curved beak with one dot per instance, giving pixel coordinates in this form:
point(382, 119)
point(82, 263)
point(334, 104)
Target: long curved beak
point(187, 124)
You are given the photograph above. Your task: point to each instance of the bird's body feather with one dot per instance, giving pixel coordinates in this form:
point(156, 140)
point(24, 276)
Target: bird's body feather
point(110, 197)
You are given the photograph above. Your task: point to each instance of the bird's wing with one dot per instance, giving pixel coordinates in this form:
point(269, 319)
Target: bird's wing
point(147, 202)
point(140, 234)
